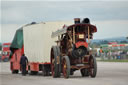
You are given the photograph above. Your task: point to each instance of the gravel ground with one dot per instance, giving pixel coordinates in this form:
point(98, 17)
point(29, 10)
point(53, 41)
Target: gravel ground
point(108, 74)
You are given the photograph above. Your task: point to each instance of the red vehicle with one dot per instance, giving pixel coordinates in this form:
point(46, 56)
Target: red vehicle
point(5, 51)
point(72, 50)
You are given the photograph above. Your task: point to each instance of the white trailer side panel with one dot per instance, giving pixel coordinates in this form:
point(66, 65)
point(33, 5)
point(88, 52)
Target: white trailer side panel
point(38, 41)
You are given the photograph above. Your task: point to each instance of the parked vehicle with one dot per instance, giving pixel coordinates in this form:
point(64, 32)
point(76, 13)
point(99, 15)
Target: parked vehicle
point(0, 55)
point(5, 52)
point(72, 50)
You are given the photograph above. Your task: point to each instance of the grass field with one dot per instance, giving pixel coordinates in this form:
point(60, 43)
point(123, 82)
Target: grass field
point(124, 60)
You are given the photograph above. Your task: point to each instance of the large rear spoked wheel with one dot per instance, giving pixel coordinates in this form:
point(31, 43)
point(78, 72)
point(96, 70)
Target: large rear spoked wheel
point(66, 66)
point(54, 65)
point(93, 67)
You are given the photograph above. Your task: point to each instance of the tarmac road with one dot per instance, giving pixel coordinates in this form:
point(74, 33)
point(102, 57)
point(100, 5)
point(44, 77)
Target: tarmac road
point(108, 74)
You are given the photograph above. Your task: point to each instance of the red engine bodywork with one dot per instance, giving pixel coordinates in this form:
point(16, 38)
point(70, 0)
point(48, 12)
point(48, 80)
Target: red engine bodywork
point(78, 44)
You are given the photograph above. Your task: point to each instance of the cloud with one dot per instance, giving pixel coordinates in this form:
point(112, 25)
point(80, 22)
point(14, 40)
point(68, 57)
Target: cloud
point(12, 15)
point(65, 0)
point(110, 17)
point(109, 29)
point(8, 31)
point(106, 29)
point(28, 11)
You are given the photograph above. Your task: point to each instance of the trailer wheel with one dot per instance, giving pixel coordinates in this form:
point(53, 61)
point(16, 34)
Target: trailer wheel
point(66, 66)
point(93, 67)
point(26, 72)
point(15, 71)
point(54, 65)
point(84, 72)
point(46, 70)
point(34, 72)
point(45, 73)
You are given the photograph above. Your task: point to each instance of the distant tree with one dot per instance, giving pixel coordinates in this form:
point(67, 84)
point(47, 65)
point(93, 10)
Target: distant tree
point(124, 41)
point(126, 37)
point(0, 47)
point(104, 42)
point(95, 45)
point(117, 41)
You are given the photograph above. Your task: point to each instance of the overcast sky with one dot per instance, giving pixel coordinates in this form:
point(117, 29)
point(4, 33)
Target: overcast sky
point(110, 17)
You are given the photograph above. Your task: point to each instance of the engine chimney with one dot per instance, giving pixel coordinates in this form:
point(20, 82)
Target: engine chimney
point(76, 20)
point(86, 20)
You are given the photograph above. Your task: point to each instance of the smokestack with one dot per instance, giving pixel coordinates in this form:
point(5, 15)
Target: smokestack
point(86, 20)
point(76, 20)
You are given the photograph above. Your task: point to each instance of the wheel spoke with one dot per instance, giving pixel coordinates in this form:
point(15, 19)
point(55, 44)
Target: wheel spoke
point(66, 66)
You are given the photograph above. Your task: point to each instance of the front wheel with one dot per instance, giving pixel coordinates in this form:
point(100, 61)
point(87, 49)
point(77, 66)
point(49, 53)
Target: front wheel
point(66, 67)
point(93, 67)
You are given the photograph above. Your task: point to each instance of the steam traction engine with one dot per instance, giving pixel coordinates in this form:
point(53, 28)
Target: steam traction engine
point(72, 51)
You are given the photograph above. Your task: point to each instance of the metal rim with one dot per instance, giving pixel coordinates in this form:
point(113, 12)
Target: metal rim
point(64, 68)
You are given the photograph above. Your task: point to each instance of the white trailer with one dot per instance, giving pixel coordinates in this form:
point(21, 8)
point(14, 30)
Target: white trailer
point(38, 43)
